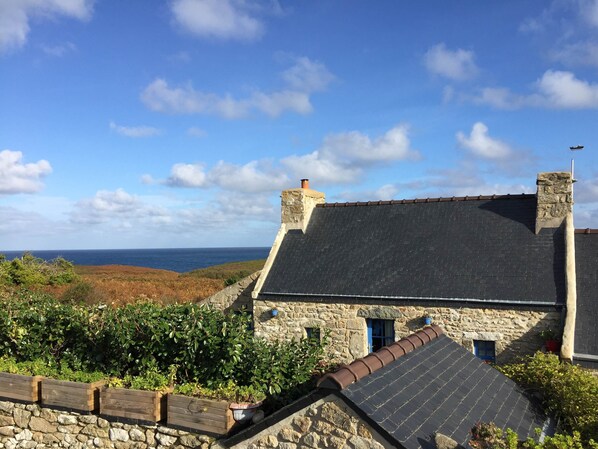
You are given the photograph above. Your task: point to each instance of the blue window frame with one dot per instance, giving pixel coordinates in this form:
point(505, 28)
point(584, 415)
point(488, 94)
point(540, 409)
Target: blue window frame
point(380, 333)
point(312, 333)
point(485, 350)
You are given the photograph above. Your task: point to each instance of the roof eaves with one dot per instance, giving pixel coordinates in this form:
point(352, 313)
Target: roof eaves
point(528, 302)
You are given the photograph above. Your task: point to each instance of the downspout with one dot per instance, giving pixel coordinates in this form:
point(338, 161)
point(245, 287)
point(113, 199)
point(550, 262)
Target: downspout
point(568, 343)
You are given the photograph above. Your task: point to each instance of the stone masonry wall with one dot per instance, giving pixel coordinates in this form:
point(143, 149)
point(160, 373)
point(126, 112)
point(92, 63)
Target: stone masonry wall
point(31, 426)
point(235, 297)
point(515, 332)
point(328, 423)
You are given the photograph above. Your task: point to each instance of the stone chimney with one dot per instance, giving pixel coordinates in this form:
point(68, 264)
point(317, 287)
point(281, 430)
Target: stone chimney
point(298, 204)
point(555, 199)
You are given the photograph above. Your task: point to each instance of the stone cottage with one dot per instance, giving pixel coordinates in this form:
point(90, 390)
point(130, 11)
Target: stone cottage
point(493, 271)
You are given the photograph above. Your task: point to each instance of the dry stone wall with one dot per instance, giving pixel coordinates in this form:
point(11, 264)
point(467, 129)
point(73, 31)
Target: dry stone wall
point(515, 332)
point(235, 297)
point(328, 423)
point(31, 426)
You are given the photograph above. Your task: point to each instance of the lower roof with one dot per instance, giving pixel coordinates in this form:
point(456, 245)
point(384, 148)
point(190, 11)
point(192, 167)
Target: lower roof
point(586, 330)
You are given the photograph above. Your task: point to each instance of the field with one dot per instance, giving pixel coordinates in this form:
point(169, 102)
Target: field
point(120, 284)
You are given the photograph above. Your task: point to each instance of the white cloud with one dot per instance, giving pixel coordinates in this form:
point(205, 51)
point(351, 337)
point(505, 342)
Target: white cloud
point(220, 19)
point(135, 131)
point(480, 144)
point(583, 53)
point(555, 89)
point(187, 175)
point(588, 10)
point(118, 207)
point(457, 64)
point(252, 177)
point(16, 177)
point(303, 78)
point(586, 191)
point(307, 75)
point(60, 50)
point(342, 157)
point(564, 91)
point(16, 14)
point(194, 131)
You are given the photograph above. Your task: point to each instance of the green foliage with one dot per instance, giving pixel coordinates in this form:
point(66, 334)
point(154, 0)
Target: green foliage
point(146, 339)
point(29, 270)
point(228, 391)
point(489, 436)
point(42, 368)
point(151, 380)
point(568, 391)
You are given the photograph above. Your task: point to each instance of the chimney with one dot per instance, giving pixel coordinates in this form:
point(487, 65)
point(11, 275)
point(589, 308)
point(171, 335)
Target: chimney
point(554, 199)
point(298, 204)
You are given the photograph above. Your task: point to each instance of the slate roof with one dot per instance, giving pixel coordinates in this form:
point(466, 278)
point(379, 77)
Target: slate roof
point(481, 249)
point(436, 387)
point(586, 268)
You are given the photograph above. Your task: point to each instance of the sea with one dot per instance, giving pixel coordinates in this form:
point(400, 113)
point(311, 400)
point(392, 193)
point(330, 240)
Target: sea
point(180, 260)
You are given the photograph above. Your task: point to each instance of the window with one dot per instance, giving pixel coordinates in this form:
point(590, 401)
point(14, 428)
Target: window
point(312, 333)
point(485, 350)
point(380, 333)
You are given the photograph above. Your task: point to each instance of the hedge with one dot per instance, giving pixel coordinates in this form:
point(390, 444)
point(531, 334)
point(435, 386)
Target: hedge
point(205, 345)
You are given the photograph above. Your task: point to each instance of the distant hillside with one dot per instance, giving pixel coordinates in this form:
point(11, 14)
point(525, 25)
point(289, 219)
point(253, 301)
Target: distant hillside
point(121, 284)
point(229, 272)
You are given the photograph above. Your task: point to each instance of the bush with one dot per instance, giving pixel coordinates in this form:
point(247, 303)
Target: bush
point(489, 436)
point(207, 346)
point(31, 271)
point(568, 391)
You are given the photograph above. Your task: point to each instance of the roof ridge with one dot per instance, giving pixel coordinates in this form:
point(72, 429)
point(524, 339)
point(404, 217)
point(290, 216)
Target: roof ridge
point(430, 200)
point(358, 369)
point(586, 231)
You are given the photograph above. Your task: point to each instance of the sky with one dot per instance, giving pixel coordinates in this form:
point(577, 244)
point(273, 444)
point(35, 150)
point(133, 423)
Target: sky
point(176, 124)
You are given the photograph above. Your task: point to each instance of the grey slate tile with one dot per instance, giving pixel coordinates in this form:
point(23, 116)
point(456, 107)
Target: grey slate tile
point(487, 249)
point(399, 399)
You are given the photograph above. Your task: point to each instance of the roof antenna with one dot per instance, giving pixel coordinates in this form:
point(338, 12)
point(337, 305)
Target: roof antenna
point(574, 148)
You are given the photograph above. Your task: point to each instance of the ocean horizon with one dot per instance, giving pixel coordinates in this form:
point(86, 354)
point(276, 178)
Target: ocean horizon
point(180, 260)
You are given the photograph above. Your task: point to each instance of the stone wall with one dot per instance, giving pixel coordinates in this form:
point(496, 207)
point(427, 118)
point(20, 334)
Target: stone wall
point(515, 332)
point(328, 423)
point(31, 426)
point(297, 206)
point(235, 297)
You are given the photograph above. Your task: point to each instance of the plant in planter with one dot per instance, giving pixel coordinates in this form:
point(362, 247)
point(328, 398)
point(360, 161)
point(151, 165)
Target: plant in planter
point(551, 340)
point(140, 397)
point(212, 410)
point(21, 381)
point(76, 390)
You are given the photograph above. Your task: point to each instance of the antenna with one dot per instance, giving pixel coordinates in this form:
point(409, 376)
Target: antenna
point(574, 148)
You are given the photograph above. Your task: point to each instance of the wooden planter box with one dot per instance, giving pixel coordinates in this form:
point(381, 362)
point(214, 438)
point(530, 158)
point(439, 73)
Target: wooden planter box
point(207, 416)
point(20, 388)
point(79, 396)
point(149, 406)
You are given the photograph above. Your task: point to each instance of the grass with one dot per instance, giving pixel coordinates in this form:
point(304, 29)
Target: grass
point(120, 284)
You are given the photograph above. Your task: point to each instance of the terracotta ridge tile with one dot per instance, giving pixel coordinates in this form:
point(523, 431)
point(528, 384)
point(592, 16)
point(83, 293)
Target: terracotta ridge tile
point(586, 231)
point(430, 200)
point(360, 368)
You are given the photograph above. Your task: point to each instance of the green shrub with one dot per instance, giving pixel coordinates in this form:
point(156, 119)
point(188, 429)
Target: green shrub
point(29, 270)
point(229, 392)
point(568, 391)
point(43, 368)
point(81, 293)
point(489, 436)
point(207, 346)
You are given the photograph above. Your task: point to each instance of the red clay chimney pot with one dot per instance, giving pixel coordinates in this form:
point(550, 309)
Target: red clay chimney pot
point(305, 183)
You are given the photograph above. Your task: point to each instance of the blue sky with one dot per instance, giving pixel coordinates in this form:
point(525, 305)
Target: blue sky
point(177, 123)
